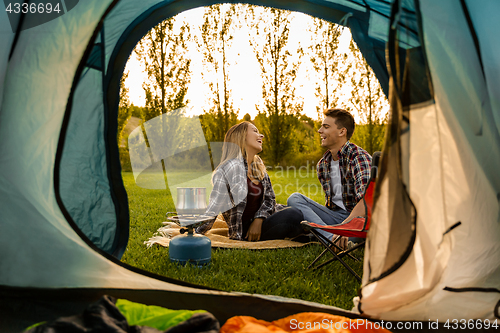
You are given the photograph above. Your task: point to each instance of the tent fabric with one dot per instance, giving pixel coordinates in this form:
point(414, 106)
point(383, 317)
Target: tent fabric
point(457, 231)
point(32, 111)
point(90, 204)
point(61, 188)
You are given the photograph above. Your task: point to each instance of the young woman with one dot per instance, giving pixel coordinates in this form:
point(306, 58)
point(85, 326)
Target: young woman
point(242, 192)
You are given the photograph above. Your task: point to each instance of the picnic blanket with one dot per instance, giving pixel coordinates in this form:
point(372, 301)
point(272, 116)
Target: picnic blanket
point(218, 235)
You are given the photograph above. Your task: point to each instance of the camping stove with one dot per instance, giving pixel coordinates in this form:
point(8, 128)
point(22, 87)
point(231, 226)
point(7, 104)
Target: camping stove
point(189, 247)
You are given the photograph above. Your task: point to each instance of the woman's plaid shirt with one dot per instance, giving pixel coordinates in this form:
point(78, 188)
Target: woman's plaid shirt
point(229, 197)
point(355, 166)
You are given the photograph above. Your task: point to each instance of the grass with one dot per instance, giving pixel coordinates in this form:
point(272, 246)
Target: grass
point(280, 272)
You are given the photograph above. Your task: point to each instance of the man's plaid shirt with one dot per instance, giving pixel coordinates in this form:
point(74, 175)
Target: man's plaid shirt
point(229, 197)
point(355, 166)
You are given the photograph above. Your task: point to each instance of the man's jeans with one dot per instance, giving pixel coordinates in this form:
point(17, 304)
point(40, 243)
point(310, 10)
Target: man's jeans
point(316, 213)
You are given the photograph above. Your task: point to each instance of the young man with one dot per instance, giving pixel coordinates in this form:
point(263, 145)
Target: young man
point(343, 171)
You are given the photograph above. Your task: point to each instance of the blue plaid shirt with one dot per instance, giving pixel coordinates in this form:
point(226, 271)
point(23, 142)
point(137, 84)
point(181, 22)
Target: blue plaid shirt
point(229, 197)
point(355, 166)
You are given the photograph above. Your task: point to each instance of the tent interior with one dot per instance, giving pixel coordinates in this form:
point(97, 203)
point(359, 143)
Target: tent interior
point(433, 249)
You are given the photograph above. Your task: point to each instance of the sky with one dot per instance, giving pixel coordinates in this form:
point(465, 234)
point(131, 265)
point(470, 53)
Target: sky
point(245, 71)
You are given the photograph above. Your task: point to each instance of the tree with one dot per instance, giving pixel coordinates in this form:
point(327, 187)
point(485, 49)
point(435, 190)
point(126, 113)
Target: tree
point(124, 111)
point(279, 71)
point(326, 61)
point(124, 114)
point(216, 38)
point(247, 117)
point(368, 100)
point(163, 51)
point(305, 143)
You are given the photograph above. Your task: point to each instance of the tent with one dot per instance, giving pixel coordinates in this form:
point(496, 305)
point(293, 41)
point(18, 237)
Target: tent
point(433, 249)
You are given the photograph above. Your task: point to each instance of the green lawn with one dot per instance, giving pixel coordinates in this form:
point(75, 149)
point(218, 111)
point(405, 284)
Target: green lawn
point(279, 272)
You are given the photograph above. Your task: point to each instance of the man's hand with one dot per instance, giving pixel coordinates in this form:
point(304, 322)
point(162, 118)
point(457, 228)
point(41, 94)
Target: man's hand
point(342, 242)
point(254, 231)
point(359, 210)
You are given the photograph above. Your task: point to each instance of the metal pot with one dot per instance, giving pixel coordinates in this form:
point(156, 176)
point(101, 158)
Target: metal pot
point(191, 200)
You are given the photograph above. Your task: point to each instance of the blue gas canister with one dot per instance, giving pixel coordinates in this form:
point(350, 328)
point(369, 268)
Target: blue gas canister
point(190, 248)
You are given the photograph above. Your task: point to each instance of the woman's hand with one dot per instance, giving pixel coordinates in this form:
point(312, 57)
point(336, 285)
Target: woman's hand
point(254, 230)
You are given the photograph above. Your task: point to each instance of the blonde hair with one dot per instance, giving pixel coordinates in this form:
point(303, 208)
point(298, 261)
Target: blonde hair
point(235, 147)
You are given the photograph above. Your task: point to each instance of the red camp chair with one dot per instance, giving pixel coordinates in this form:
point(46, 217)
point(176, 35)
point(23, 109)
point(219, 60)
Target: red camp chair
point(356, 227)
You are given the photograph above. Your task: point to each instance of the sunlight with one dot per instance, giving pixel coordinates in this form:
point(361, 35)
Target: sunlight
point(244, 70)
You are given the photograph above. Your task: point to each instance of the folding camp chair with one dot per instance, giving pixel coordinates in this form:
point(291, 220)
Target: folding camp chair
point(356, 227)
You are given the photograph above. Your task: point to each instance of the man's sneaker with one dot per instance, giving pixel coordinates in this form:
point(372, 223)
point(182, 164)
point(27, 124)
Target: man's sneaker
point(304, 238)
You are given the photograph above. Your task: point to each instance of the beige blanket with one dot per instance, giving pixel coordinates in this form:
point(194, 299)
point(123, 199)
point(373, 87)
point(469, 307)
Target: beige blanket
point(219, 237)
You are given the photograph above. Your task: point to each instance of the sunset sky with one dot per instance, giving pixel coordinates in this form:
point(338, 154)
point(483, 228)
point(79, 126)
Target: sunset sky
point(244, 71)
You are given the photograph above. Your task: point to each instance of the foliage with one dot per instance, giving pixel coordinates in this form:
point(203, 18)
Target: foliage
point(279, 272)
point(278, 117)
point(125, 159)
point(368, 100)
point(163, 51)
point(370, 138)
point(247, 117)
point(213, 124)
point(305, 142)
point(216, 38)
point(170, 142)
point(138, 112)
point(124, 114)
point(326, 60)
point(124, 111)
point(349, 70)
point(291, 138)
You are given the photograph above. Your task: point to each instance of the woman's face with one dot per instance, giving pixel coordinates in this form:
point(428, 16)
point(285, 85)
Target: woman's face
point(253, 140)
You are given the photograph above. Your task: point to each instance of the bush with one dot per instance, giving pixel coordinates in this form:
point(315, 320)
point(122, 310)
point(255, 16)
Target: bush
point(302, 159)
point(125, 159)
point(371, 142)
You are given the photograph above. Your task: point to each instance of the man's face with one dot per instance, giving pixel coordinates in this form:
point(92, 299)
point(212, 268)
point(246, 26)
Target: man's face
point(330, 135)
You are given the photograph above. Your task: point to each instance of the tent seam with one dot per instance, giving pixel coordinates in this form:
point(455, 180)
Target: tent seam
point(441, 162)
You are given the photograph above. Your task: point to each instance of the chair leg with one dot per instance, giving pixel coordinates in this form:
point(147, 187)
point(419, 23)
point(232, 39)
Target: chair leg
point(323, 240)
point(340, 255)
point(332, 243)
point(322, 254)
point(317, 258)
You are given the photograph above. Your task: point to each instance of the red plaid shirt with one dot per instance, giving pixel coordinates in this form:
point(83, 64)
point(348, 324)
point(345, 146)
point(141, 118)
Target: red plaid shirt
point(355, 166)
